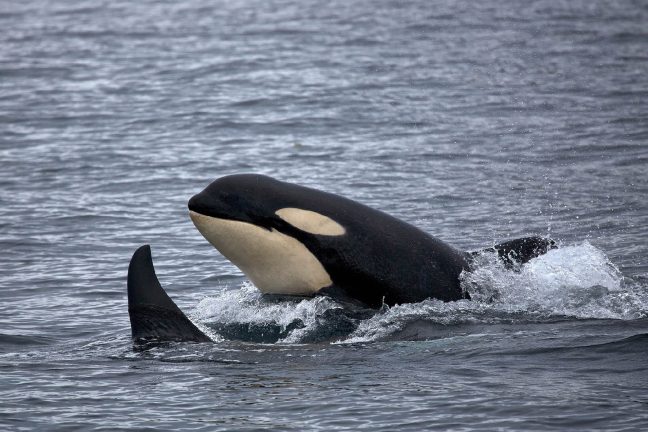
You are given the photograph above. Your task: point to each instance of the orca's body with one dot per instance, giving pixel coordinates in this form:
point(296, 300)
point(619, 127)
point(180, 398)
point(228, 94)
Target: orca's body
point(326, 243)
point(293, 240)
point(289, 239)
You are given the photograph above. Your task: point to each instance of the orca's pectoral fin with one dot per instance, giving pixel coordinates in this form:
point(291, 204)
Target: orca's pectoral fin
point(154, 316)
point(520, 251)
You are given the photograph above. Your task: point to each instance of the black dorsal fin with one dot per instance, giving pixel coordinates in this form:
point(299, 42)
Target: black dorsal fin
point(153, 315)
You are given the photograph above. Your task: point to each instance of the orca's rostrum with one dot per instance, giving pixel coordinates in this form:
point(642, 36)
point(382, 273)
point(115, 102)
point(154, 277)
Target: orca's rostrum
point(293, 240)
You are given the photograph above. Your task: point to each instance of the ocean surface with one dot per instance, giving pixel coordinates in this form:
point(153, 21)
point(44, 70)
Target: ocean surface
point(478, 122)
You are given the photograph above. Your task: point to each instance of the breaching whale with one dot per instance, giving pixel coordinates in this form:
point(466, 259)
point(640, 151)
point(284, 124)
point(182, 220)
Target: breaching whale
point(293, 240)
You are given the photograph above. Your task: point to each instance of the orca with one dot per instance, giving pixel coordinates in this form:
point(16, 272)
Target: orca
point(294, 240)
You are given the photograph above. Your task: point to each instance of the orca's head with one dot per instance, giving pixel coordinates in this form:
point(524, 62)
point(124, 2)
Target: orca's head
point(260, 225)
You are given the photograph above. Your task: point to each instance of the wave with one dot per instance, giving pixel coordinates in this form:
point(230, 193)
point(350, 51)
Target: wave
point(575, 281)
point(571, 282)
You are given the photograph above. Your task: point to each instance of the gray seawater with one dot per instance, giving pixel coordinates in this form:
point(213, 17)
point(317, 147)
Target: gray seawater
point(476, 121)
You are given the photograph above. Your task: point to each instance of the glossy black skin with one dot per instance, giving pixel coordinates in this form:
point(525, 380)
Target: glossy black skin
point(379, 258)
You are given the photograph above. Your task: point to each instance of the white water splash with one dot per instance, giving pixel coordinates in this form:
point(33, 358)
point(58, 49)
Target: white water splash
point(569, 282)
point(245, 306)
point(576, 281)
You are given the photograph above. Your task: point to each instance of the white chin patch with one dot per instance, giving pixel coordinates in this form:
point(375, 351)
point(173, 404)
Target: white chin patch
point(310, 221)
point(274, 262)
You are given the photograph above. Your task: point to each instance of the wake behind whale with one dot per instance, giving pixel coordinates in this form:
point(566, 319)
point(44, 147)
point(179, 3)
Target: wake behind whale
point(572, 283)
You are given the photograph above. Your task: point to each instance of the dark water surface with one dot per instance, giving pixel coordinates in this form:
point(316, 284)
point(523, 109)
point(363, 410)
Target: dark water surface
point(476, 121)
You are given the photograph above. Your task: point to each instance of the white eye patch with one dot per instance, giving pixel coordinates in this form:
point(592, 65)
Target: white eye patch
point(310, 221)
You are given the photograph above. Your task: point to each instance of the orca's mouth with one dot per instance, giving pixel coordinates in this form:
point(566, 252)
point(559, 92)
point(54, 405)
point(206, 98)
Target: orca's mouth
point(198, 205)
point(206, 206)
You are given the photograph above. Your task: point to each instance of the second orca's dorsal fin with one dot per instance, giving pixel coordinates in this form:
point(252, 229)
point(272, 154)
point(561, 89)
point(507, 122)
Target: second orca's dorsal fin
point(154, 316)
